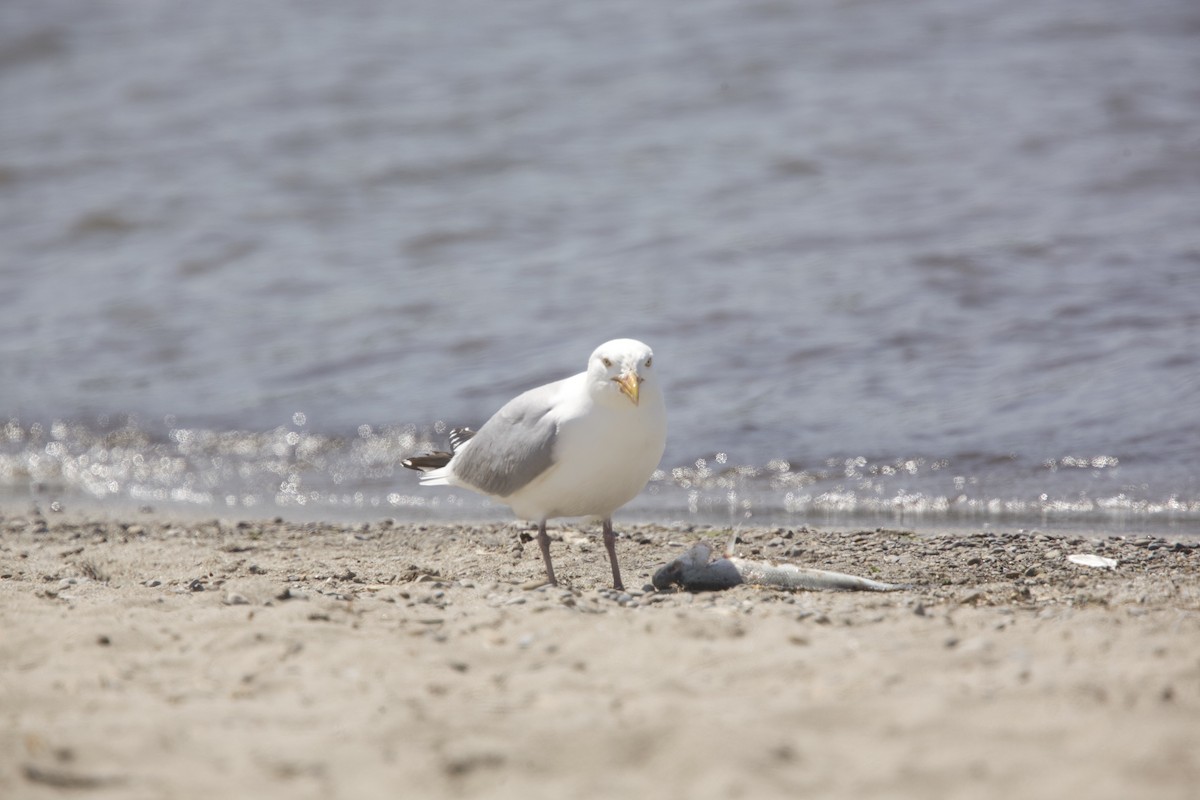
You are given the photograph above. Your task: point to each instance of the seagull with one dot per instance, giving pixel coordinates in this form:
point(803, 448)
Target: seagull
point(582, 446)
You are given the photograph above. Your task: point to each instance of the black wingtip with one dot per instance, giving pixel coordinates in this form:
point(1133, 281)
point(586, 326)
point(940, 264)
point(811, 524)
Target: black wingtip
point(459, 436)
point(428, 461)
point(438, 458)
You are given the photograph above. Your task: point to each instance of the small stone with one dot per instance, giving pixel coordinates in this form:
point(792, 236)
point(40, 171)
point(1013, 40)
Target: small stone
point(784, 752)
point(235, 599)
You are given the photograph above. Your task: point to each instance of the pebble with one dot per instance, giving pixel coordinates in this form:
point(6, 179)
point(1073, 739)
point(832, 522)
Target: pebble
point(235, 599)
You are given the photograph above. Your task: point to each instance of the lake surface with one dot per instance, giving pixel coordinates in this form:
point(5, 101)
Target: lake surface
point(926, 262)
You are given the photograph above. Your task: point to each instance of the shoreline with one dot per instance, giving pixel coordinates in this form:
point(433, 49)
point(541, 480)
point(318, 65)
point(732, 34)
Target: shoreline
point(158, 656)
point(479, 511)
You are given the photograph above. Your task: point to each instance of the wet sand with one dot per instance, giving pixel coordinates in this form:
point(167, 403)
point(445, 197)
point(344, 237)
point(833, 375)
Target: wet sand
point(149, 657)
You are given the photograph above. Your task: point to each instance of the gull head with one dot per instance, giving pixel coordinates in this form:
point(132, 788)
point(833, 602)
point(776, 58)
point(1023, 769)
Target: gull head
point(621, 366)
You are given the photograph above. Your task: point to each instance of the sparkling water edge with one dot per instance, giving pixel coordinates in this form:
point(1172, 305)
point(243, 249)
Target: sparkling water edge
point(292, 470)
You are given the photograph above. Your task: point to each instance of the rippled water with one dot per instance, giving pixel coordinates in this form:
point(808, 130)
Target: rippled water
point(935, 258)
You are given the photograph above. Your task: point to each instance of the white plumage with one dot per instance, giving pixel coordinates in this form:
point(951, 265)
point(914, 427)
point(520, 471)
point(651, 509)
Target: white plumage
point(582, 446)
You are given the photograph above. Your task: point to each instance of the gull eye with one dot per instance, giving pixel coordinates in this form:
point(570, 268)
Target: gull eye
point(648, 360)
point(606, 362)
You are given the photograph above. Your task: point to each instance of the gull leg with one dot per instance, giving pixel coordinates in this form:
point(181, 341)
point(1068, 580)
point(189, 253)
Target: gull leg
point(610, 544)
point(543, 540)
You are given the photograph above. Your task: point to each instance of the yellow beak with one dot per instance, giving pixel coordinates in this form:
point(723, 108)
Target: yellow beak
point(629, 383)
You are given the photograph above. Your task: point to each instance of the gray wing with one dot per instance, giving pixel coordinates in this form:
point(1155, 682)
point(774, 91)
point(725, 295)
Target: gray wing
point(513, 447)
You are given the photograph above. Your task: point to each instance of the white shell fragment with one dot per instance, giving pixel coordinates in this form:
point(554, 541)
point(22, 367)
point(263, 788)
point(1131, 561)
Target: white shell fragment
point(1089, 560)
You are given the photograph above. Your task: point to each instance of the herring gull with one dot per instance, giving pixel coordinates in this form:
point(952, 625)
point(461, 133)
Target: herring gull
point(582, 446)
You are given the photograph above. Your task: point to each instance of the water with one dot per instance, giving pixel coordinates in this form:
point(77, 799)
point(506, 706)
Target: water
point(929, 262)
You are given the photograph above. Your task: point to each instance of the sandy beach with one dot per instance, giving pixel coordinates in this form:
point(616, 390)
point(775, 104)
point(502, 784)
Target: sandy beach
point(150, 657)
